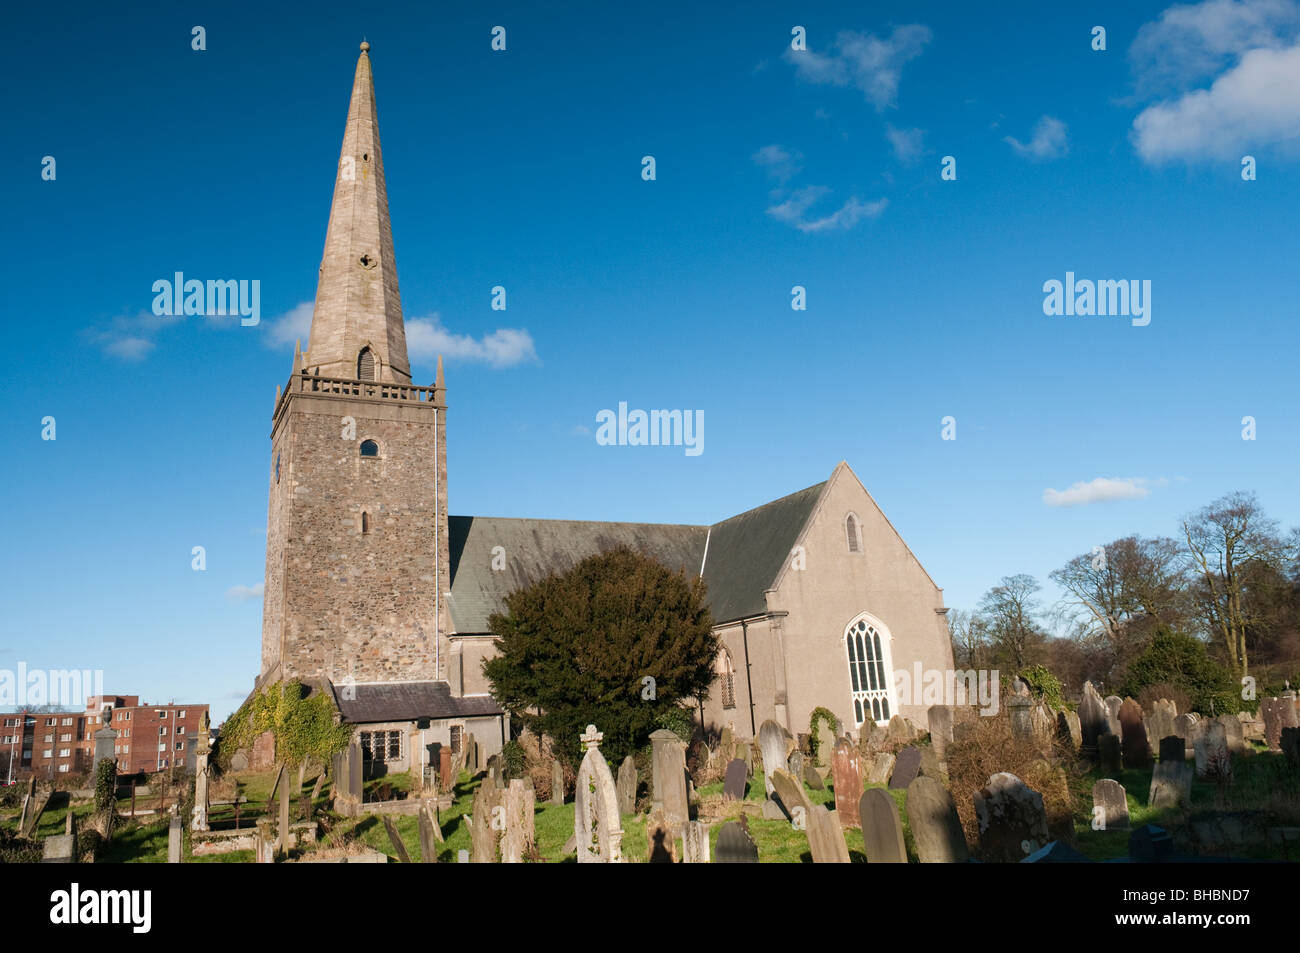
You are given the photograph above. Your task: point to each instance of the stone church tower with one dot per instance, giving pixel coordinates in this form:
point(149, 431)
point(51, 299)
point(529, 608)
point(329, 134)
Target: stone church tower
point(357, 551)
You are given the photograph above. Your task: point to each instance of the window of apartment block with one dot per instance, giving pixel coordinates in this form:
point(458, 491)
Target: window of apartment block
point(11, 722)
point(162, 746)
point(67, 721)
point(162, 729)
point(123, 716)
point(63, 768)
point(161, 714)
point(180, 729)
point(65, 737)
point(180, 746)
point(49, 739)
point(49, 722)
point(49, 753)
point(181, 713)
point(65, 752)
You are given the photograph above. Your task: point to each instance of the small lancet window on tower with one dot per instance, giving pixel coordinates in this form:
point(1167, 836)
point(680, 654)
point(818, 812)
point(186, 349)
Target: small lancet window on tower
point(851, 532)
point(365, 523)
point(369, 448)
point(366, 365)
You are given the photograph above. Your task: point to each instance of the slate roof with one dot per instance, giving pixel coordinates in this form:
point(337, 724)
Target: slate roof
point(744, 554)
point(407, 701)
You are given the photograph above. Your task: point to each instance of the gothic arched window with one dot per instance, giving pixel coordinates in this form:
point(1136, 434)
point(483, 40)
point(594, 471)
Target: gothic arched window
point(867, 672)
point(365, 522)
point(366, 365)
point(726, 673)
point(851, 533)
point(369, 448)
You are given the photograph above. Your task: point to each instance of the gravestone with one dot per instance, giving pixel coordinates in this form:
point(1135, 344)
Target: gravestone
point(446, 771)
point(846, 771)
point(1011, 818)
point(733, 788)
point(1109, 806)
point(520, 834)
point(882, 828)
point(660, 841)
point(1290, 744)
point(557, 781)
point(882, 768)
point(283, 801)
point(1067, 729)
point(930, 766)
point(1212, 759)
point(812, 777)
point(939, 718)
point(484, 824)
point(396, 840)
point(771, 741)
point(175, 833)
point(772, 811)
point(1184, 726)
point(899, 730)
point(355, 785)
point(734, 846)
point(789, 793)
point(745, 752)
point(936, 828)
point(1173, 750)
point(1094, 720)
point(796, 763)
point(1160, 723)
point(906, 768)
point(199, 819)
point(1108, 753)
point(597, 827)
point(695, 843)
point(669, 777)
point(1137, 749)
point(59, 849)
point(1020, 714)
point(469, 744)
point(105, 738)
point(1171, 784)
point(1234, 733)
point(428, 840)
point(1113, 703)
point(496, 771)
point(627, 785)
point(826, 837)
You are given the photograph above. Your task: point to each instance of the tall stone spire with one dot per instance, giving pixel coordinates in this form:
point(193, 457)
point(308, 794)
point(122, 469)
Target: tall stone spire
point(356, 328)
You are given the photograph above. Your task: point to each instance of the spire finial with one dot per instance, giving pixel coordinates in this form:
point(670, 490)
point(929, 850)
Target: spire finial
point(364, 46)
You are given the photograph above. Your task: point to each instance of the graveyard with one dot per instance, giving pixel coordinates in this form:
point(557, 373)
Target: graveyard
point(1082, 784)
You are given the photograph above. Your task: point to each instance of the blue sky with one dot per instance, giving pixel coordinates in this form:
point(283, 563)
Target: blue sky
point(523, 169)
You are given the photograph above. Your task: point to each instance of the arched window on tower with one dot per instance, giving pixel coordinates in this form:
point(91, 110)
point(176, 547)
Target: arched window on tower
point(369, 448)
point(851, 533)
point(366, 365)
point(365, 522)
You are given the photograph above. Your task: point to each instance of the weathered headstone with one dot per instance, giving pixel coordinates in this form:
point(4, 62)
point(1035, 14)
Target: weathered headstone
point(846, 771)
point(1094, 720)
point(199, 817)
point(788, 791)
point(1173, 750)
point(882, 828)
point(1109, 806)
point(627, 785)
point(1067, 729)
point(395, 840)
point(733, 787)
point(734, 846)
point(1171, 784)
point(1011, 818)
point(796, 763)
point(485, 824)
point(1020, 707)
point(899, 730)
point(906, 768)
point(597, 827)
point(812, 777)
point(745, 752)
point(930, 765)
point(695, 843)
point(1108, 753)
point(175, 835)
point(446, 770)
point(520, 834)
point(882, 768)
point(59, 849)
point(1137, 749)
point(1213, 761)
point(1234, 733)
point(1113, 703)
point(936, 828)
point(826, 837)
point(771, 741)
point(557, 781)
point(428, 841)
point(1160, 723)
point(939, 718)
point(669, 777)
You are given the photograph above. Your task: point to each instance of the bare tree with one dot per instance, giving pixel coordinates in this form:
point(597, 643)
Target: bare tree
point(1231, 543)
point(969, 636)
point(1008, 611)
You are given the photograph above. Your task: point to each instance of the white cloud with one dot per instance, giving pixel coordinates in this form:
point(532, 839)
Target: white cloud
point(1050, 140)
point(1191, 42)
point(905, 142)
point(1251, 106)
point(1100, 490)
point(131, 337)
point(426, 338)
point(293, 325)
point(780, 162)
point(794, 210)
point(870, 63)
point(245, 593)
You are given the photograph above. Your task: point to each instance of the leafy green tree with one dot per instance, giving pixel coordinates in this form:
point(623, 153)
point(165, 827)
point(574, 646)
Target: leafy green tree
point(581, 647)
point(1182, 660)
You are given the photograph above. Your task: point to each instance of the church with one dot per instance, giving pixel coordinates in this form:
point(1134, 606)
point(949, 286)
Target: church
point(376, 595)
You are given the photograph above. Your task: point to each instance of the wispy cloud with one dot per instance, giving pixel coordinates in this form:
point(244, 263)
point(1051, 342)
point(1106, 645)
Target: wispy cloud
point(794, 211)
point(131, 337)
point(1050, 140)
point(293, 325)
point(243, 593)
point(870, 63)
point(426, 338)
point(1101, 490)
point(778, 161)
point(906, 143)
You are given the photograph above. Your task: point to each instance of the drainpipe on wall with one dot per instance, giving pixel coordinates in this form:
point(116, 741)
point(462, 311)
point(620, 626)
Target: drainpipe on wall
point(749, 682)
